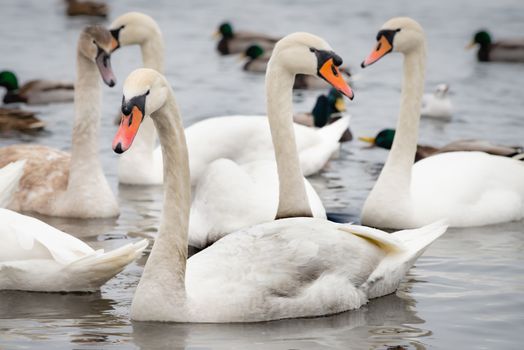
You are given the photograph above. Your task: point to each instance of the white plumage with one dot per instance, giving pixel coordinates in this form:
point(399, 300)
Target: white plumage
point(9, 179)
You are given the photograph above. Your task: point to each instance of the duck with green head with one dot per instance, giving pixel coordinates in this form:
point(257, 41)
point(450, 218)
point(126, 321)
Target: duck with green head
point(234, 42)
point(511, 50)
point(385, 137)
point(35, 91)
point(328, 109)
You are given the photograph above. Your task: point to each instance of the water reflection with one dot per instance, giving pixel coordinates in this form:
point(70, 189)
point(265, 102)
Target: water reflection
point(384, 322)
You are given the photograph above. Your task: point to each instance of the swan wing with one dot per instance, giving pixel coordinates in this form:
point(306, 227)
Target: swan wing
point(9, 180)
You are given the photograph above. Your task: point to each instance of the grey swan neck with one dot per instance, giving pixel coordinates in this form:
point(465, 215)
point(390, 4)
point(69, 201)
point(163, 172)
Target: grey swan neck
point(85, 168)
point(163, 279)
point(293, 201)
point(402, 155)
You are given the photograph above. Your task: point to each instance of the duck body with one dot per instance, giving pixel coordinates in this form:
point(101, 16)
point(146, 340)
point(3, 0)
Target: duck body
point(86, 8)
point(234, 42)
point(510, 50)
point(35, 92)
point(37, 257)
point(20, 120)
point(290, 268)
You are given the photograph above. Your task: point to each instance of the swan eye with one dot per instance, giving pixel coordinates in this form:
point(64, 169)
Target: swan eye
point(147, 93)
point(312, 49)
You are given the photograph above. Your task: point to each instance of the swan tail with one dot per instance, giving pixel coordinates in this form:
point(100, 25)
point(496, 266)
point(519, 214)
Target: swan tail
point(394, 266)
point(9, 180)
point(334, 131)
point(94, 270)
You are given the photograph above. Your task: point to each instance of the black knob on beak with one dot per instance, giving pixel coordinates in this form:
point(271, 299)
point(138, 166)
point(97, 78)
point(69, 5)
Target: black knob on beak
point(127, 109)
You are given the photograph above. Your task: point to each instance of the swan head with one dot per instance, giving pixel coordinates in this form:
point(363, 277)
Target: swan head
point(400, 34)
point(441, 91)
point(304, 53)
point(95, 45)
point(132, 28)
point(145, 92)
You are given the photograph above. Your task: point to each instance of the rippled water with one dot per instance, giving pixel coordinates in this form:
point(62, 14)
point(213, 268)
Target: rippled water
point(466, 291)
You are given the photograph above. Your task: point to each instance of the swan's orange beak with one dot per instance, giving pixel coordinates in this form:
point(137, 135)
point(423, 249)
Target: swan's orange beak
point(129, 125)
point(114, 44)
point(383, 48)
point(330, 73)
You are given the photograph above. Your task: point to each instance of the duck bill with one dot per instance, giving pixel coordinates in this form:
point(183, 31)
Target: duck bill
point(340, 105)
point(370, 140)
point(330, 73)
point(383, 48)
point(470, 45)
point(129, 125)
point(103, 62)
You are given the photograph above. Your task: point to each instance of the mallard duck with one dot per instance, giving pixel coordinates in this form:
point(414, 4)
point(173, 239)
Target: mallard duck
point(258, 57)
point(511, 50)
point(17, 119)
point(327, 110)
point(437, 104)
point(86, 8)
point(35, 91)
point(385, 137)
point(232, 42)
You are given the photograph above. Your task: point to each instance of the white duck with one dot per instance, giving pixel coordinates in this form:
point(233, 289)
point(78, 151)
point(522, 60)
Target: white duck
point(37, 257)
point(466, 188)
point(9, 180)
point(293, 267)
point(241, 139)
point(437, 104)
point(71, 185)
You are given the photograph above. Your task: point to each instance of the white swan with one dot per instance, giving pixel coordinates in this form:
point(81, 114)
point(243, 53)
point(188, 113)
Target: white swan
point(466, 188)
point(437, 104)
point(54, 182)
point(9, 180)
point(241, 139)
point(293, 267)
point(37, 257)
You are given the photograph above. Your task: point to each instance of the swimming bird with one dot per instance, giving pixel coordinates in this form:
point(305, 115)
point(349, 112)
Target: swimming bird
point(232, 41)
point(328, 108)
point(385, 137)
point(20, 120)
point(35, 92)
point(437, 104)
point(241, 139)
point(10, 176)
point(37, 257)
point(465, 188)
point(86, 8)
point(258, 57)
point(57, 183)
point(296, 266)
point(510, 50)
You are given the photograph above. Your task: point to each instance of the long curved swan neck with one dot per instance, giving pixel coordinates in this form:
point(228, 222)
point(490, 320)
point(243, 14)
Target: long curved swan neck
point(402, 154)
point(85, 166)
point(153, 52)
point(164, 273)
point(293, 200)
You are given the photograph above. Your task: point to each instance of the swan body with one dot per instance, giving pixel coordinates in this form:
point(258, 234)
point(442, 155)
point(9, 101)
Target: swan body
point(297, 266)
point(437, 104)
point(35, 92)
point(9, 179)
point(20, 120)
point(230, 196)
point(511, 50)
point(37, 257)
point(465, 188)
point(71, 185)
point(233, 42)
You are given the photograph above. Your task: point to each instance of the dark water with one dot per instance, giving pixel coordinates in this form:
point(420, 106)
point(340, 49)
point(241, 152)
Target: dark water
point(466, 291)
